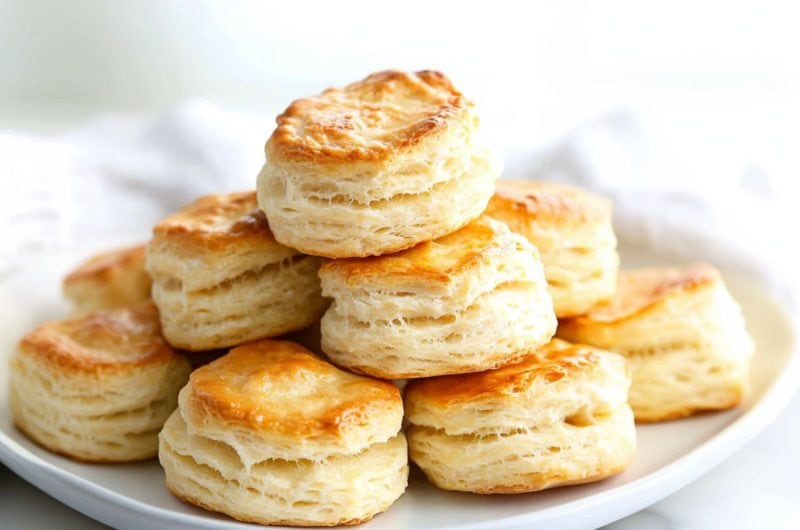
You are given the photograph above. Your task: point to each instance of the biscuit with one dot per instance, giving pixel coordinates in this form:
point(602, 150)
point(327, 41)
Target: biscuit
point(98, 387)
point(220, 279)
point(560, 416)
point(112, 279)
point(376, 167)
point(272, 434)
point(683, 336)
point(573, 232)
point(469, 301)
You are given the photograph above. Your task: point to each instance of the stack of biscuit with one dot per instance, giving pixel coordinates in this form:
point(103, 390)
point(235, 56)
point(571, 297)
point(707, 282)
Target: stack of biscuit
point(379, 235)
point(388, 179)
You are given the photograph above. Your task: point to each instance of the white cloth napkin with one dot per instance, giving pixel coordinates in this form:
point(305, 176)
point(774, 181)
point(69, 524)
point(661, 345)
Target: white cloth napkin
point(736, 219)
point(116, 176)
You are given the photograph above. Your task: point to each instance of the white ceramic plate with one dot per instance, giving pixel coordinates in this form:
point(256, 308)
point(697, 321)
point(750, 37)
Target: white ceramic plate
point(669, 455)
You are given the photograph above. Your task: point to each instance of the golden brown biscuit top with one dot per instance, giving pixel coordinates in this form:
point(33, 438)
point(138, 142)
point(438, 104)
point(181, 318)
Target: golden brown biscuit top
point(113, 339)
point(280, 387)
point(368, 120)
point(547, 201)
point(214, 221)
point(108, 264)
point(639, 289)
point(438, 260)
point(549, 364)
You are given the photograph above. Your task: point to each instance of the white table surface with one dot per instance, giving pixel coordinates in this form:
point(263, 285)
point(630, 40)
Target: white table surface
point(757, 488)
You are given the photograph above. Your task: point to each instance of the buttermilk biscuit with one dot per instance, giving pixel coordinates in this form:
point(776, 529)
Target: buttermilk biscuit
point(272, 434)
point(375, 167)
point(220, 278)
point(108, 280)
point(469, 301)
point(560, 416)
point(572, 230)
point(98, 387)
point(683, 335)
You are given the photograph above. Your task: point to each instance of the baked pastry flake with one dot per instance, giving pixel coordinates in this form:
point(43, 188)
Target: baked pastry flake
point(272, 434)
point(559, 416)
point(376, 167)
point(220, 279)
point(108, 280)
point(683, 336)
point(98, 387)
point(572, 229)
point(472, 300)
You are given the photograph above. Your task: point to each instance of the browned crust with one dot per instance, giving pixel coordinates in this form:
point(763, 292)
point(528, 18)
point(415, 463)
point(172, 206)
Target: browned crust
point(342, 125)
point(196, 225)
point(230, 388)
point(553, 362)
point(106, 265)
point(641, 289)
point(533, 200)
point(268, 522)
point(76, 458)
point(436, 261)
point(132, 335)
